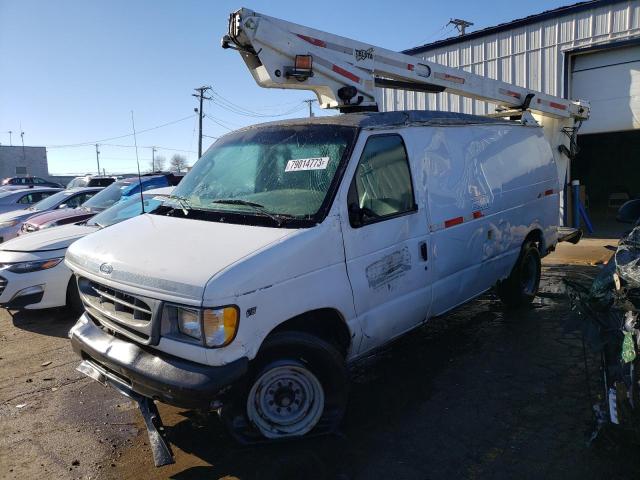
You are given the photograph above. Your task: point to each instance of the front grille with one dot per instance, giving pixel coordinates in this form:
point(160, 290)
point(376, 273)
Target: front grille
point(3, 284)
point(122, 312)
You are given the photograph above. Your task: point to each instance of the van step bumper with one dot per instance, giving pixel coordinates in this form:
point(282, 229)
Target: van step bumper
point(159, 376)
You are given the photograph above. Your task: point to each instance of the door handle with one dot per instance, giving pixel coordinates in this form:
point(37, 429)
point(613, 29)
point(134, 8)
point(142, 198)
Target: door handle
point(424, 252)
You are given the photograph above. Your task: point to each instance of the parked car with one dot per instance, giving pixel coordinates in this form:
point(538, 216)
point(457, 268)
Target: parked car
point(293, 248)
point(114, 193)
point(23, 198)
point(32, 273)
point(28, 182)
point(11, 222)
point(91, 181)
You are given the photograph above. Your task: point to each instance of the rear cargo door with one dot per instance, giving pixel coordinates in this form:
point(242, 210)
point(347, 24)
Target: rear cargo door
point(386, 241)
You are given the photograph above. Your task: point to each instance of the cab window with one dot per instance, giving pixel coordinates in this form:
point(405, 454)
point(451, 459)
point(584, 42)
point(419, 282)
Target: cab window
point(381, 187)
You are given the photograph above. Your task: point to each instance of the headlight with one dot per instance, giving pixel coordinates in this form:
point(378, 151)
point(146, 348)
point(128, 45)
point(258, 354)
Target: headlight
point(214, 327)
point(219, 326)
point(188, 322)
point(9, 223)
point(33, 266)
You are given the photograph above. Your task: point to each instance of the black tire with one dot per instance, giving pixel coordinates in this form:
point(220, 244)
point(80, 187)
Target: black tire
point(308, 355)
point(521, 287)
point(74, 304)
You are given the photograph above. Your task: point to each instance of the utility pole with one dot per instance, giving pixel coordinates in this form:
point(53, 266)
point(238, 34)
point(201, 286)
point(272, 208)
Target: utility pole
point(153, 159)
point(10, 142)
point(461, 25)
point(309, 102)
point(98, 158)
point(24, 156)
point(201, 97)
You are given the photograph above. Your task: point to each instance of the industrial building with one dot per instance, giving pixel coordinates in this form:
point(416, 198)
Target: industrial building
point(19, 161)
point(590, 51)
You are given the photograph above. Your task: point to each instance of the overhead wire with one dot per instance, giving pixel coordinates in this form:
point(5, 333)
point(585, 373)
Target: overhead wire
point(232, 107)
point(216, 121)
point(93, 142)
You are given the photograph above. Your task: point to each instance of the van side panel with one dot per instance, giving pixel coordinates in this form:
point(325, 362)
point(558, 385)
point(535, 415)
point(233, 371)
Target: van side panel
point(488, 186)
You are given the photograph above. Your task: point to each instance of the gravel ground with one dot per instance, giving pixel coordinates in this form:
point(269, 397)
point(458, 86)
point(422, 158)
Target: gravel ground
point(479, 393)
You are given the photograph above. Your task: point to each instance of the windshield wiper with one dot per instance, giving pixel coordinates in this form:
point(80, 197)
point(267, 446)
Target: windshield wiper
point(277, 218)
point(185, 206)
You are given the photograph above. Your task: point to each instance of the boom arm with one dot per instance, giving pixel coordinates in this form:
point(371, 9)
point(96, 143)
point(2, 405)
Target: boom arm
point(344, 73)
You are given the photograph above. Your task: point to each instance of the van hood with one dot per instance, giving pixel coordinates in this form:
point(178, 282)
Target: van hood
point(46, 240)
point(168, 255)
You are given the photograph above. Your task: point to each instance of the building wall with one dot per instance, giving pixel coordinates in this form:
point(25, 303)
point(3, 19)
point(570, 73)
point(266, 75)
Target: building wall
point(531, 56)
point(33, 158)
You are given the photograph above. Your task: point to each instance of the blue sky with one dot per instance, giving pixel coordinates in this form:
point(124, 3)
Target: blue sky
point(72, 70)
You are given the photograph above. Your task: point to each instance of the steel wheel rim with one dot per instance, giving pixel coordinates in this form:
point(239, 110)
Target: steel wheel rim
point(285, 401)
point(530, 274)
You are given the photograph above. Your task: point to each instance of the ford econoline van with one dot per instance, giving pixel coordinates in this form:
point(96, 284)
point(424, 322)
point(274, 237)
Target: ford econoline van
point(293, 248)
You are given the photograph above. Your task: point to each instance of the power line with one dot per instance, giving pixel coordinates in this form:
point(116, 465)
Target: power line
point(93, 142)
point(434, 34)
point(217, 122)
point(133, 146)
point(239, 110)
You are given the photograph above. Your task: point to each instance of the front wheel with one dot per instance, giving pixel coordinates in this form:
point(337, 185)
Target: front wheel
point(521, 287)
point(298, 386)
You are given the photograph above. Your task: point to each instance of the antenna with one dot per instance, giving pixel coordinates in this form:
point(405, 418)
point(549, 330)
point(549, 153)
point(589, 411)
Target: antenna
point(135, 142)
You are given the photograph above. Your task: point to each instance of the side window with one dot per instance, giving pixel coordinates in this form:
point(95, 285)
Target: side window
point(35, 197)
point(79, 199)
point(381, 187)
point(73, 202)
point(30, 198)
point(38, 180)
point(43, 195)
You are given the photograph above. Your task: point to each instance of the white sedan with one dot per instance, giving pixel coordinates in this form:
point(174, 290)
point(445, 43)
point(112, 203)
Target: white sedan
point(32, 270)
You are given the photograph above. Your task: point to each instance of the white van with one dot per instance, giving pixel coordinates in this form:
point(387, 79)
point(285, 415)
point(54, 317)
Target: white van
point(293, 248)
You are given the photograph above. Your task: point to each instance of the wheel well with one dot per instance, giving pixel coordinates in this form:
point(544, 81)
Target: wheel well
point(536, 237)
point(325, 323)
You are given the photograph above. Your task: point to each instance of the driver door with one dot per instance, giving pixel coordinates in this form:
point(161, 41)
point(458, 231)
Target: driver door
point(386, 242)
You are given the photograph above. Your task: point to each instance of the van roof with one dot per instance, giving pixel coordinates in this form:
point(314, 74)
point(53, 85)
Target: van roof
point(389, 119)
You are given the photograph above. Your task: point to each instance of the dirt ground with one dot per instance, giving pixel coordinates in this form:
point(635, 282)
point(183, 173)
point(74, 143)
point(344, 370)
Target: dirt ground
point(479, 393)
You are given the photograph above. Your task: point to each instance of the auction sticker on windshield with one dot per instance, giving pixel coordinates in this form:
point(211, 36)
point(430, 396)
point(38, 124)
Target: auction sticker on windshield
point(317, 163)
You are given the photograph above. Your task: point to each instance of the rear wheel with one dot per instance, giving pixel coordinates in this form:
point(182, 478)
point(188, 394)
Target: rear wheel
point(521, 287)
point(297, 386)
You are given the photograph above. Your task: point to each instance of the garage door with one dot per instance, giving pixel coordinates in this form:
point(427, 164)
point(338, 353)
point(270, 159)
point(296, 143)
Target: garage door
point(610, 80)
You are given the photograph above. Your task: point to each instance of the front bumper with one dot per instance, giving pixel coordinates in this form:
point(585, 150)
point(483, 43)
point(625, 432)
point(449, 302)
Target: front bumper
point(35, 290)
point(159, 376)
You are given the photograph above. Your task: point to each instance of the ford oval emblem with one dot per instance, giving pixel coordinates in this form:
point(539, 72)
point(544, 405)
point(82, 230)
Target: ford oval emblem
point(106, 268)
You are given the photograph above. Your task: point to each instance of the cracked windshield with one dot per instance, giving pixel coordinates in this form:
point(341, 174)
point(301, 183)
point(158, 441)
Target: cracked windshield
point(274, 171)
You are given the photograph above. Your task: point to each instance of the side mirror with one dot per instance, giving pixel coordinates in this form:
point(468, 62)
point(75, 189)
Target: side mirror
point(629, 212)
point(62, 205)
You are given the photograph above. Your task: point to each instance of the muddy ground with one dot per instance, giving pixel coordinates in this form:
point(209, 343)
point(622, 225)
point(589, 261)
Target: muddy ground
point(479, 393)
